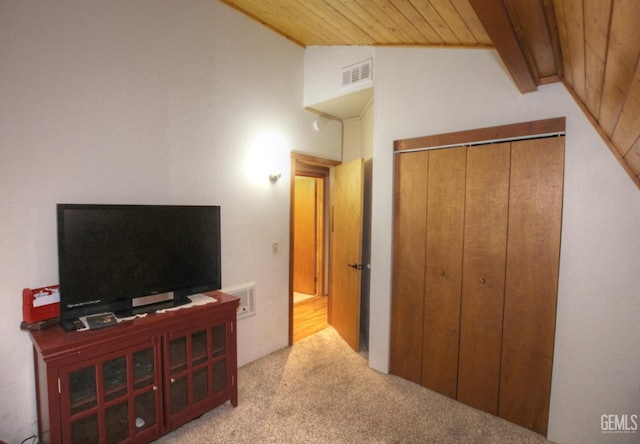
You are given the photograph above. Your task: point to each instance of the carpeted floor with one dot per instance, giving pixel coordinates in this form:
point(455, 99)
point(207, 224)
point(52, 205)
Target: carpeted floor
point(320, 391)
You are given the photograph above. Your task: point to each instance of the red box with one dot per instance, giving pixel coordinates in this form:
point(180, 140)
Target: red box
point(31, 314)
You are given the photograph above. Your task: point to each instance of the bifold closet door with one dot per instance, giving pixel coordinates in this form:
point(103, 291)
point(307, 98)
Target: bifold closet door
point(410, 212)
point(533, 258)
point(443, 273)
point(485, 245)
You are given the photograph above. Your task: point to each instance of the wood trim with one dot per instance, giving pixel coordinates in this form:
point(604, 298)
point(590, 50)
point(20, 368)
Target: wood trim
point(313, 160)
point(496, 22)
point(550, 17)
point(526, 129)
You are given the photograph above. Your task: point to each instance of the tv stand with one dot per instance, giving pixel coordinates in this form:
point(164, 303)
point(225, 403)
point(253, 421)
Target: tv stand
point(138, 380)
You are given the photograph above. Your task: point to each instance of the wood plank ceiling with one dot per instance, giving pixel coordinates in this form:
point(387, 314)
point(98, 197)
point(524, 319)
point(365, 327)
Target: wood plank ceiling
point(592, 46)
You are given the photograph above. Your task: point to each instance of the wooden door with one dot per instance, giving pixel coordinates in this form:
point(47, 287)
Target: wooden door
point(346, 263)
point(304, 239)
point(409, 236)
point(443, 271)
point(533, 258)
point(485, 242)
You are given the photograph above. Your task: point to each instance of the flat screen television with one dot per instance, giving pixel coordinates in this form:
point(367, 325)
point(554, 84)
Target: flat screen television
point(129, 259)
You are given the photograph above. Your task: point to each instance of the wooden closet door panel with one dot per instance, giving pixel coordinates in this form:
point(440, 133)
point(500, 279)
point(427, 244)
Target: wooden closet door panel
point(410, 212)
point(485, 237)
point(533, 257)
point(443, 277)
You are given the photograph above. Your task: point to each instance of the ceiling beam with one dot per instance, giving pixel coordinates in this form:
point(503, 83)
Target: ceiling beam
point(494, 17)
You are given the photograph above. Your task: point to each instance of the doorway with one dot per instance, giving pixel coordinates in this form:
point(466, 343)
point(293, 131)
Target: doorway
point(308, 238)
point(309, 262)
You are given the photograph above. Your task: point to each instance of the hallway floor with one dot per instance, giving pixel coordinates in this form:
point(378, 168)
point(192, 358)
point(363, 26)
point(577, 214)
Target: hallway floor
point(309, 317)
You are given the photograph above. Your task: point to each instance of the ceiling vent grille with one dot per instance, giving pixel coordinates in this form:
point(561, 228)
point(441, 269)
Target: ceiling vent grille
point(358, 73)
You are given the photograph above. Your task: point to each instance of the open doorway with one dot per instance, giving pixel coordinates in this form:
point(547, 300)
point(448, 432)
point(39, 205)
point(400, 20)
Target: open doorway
point(309, 260)
point(308, 239)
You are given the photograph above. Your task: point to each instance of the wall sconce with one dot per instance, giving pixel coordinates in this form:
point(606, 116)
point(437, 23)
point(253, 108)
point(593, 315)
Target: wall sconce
point(273, 177)
point(320, 123)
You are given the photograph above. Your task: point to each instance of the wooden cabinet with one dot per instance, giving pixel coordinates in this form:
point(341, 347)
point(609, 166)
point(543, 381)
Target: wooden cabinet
point(138, 380)
point(475, 272)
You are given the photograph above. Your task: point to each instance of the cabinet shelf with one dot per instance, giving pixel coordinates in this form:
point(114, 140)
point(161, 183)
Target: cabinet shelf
point(197, 360)
point(219, 351)
point(141, 383)
point(80, 407)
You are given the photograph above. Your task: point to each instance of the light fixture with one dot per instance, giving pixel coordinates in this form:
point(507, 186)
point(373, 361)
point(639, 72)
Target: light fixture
point(273, 177)
point(320, 123)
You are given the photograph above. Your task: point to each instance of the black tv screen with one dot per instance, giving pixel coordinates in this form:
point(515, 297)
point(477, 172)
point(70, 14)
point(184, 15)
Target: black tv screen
point(113, 258)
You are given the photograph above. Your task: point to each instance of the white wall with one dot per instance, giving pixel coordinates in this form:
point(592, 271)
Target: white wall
point(366, 123)
point(351, 139)
point(146, 101)
point(357, 136)
point(596, 364)
point(323, 71)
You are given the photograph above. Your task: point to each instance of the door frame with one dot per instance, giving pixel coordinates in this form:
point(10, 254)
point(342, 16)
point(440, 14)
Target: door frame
point(305, 164)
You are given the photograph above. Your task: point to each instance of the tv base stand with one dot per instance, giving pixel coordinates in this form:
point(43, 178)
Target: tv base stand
point(138, 380)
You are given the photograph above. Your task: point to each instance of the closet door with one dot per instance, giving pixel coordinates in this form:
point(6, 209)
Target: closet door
point(410, 212)
point(485, 240)
point(533, 257)
point(443, 274)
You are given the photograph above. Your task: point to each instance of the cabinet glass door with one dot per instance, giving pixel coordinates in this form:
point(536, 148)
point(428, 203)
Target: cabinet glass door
point(197, 367)
point(114, 399)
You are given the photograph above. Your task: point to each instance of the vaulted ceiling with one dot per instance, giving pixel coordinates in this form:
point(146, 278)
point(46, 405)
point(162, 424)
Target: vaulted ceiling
point(592, 46)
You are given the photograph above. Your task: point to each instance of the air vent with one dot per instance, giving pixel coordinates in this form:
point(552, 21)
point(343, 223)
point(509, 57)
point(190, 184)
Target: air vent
point(358, 73)
point(246, 294)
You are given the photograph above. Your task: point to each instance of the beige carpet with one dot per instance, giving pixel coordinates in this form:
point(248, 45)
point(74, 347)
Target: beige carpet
point(320, 391)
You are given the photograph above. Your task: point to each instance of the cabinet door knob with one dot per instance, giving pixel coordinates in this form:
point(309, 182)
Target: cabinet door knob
point(155, 388)
point(483, 281)
point(173, 380)
point(442, 273)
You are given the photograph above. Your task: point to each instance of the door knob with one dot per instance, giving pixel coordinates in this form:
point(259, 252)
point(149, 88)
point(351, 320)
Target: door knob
point(356, 266)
